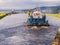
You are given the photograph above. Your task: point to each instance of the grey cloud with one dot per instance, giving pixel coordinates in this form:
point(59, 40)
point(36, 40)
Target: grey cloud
point(27, 4)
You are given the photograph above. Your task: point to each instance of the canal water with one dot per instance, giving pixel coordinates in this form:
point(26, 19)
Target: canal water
point(13, 21)
point(19, 19)
point(14, 32)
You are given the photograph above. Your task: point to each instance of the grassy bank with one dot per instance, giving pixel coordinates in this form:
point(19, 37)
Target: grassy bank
point(55, 15)
point(2, 15)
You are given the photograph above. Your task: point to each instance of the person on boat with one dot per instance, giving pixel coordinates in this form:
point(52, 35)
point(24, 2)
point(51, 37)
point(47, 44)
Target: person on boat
point(37, 14)
point(29, 13)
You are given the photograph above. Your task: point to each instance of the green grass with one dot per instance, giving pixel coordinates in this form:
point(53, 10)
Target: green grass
point(55, 15)
point(2, 15)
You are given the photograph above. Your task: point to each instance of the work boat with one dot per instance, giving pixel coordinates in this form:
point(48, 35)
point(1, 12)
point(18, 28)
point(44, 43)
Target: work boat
point(37, 19)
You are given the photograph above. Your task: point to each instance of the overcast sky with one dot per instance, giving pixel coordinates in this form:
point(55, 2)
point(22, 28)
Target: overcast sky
point(23, 4)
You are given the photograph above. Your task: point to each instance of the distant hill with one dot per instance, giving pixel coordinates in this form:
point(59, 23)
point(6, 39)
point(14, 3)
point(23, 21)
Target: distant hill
point(50, 9)
point(46, 9)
